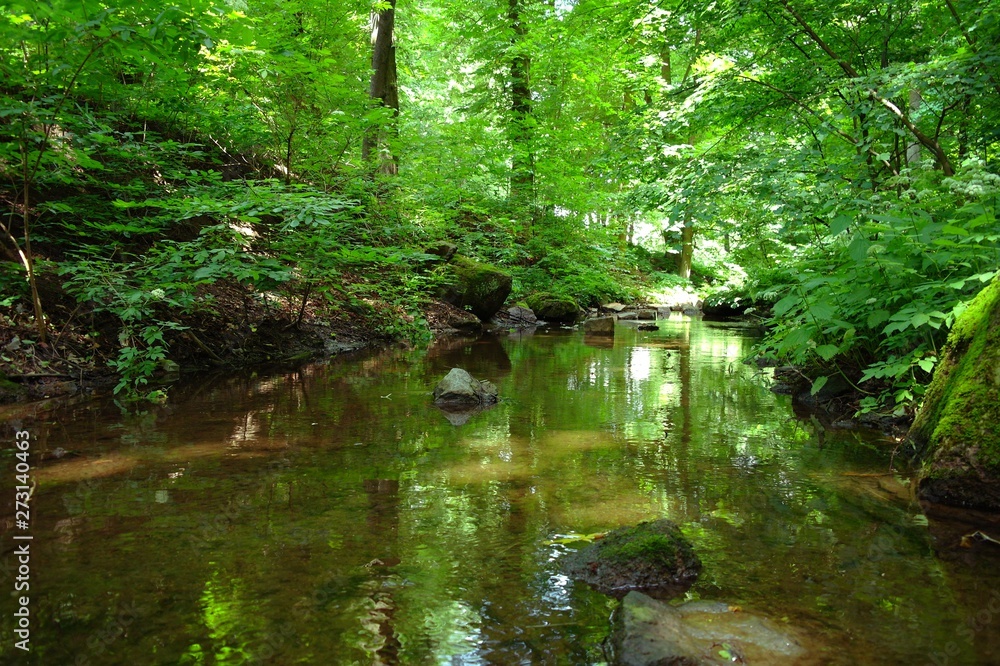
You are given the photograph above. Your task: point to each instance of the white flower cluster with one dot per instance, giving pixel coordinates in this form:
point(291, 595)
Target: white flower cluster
point(973, 180)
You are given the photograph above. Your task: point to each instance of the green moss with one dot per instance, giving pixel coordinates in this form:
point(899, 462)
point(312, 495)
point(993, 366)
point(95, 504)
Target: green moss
point(10, 391)
point(553, 308)
point(958, 428)
point(480, 287)
point(652, 547)
point(651, 542)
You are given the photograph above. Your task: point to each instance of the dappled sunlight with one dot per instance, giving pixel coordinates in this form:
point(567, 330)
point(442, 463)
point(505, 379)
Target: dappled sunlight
point(413, 536)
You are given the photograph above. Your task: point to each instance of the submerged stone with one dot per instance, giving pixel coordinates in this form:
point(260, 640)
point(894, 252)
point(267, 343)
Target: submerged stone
point(652, 633)
point(957, 431)
point(652, 557)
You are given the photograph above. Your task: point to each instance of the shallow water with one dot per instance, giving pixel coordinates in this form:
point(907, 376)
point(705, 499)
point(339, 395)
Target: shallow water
point(332, 515)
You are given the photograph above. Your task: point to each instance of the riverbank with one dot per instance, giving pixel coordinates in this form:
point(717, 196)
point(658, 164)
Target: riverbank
point(236, 327)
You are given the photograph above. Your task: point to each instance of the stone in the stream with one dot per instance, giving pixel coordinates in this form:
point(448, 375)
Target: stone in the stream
point(652, 557)
point(550, 307)
point(462, 321)
point(613, 307)
point(646, 315)
point(599, 326)
point(460, 389)
point(627, 315)
point(652, 633)
point(522, 316)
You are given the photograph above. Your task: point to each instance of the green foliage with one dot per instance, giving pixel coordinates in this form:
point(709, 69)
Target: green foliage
point(876, 298)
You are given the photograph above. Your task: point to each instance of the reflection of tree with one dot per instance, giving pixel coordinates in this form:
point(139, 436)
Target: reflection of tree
point(383, 537)
point(452, 523)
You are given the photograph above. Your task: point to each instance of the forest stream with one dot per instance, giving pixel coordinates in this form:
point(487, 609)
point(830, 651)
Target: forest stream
point(333, 515)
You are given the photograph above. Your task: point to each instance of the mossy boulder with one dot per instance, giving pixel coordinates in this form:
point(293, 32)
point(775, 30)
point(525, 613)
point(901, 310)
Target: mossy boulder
point(480, 287)
point(652, 557)
point(550, 307)
point(957, 431)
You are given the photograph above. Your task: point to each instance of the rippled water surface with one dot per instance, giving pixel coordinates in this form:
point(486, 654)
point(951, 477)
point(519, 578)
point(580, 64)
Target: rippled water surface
point(332, 515)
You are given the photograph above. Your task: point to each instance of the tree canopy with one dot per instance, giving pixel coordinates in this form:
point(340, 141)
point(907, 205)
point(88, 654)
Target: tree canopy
point(833, 164)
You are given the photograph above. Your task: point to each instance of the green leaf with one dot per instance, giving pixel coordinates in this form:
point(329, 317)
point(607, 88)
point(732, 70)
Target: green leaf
point(818, 385)
point(840, 224)
point(858, 249)
point(826, 352)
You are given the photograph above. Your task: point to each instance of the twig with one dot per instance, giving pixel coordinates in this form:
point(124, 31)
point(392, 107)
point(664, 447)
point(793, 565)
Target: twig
point(205, 349)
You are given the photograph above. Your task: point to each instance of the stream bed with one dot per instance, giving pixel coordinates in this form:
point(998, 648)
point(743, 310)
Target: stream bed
point(333, 515)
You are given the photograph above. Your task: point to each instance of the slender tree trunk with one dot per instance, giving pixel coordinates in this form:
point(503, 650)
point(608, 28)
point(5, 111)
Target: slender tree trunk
point(665, 65)
point(913, 147)
point(383, 86)
point(522, 179)
point(684, 259)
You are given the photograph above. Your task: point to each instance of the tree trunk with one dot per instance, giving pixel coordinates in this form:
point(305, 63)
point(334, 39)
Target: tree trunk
point(522, 179)
point(957, 431)
point(913, 147)
point(687, 250)
point(383, 87)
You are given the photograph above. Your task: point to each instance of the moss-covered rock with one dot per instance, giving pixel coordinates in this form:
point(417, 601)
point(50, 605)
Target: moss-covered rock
point(957, 432)
point(477, 286)
point(651, 557)
point(9, 391)
point(550, 307)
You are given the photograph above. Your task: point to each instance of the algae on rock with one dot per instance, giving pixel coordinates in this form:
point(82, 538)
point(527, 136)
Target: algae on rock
point(480, 287)
point(957, 431)
point(552, 307)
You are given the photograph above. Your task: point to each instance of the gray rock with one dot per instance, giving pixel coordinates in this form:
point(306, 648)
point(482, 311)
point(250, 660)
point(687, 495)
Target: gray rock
point(691, 311)
point(599, 326)
point(646, 315)
point(652, 633)
point(522, 316)
point(463, 322)
point(648, 327)
point(460, 389)
point(613, 307)
point(627, 315)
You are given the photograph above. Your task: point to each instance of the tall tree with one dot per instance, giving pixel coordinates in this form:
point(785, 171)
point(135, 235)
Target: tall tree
point(384, 86)
point(522, 178)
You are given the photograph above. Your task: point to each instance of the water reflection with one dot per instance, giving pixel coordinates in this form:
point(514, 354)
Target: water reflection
point(333, 511)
